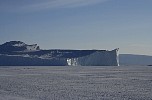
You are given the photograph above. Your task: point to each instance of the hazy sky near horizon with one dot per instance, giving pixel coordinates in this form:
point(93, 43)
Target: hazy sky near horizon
point(79, 24)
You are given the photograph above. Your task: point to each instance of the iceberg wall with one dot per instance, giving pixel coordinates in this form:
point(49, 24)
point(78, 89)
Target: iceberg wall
point(9, 60)
point(99, 58)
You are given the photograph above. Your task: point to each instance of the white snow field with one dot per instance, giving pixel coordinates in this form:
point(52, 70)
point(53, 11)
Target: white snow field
point(76, 83)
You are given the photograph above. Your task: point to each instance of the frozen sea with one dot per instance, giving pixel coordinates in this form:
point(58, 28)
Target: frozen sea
point(76, 83)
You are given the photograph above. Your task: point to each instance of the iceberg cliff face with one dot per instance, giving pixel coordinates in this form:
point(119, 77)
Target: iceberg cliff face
point(17, 53)
point(99, 58)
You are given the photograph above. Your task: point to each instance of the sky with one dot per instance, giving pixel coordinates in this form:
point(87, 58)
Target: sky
point(79, 24)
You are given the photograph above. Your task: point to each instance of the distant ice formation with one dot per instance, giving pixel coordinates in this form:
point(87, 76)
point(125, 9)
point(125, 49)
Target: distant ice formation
point(17, 53)
point(17, 46)
point(98, 58)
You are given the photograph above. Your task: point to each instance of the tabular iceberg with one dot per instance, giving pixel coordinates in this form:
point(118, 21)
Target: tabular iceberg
point(98, 58)
point(17, 53)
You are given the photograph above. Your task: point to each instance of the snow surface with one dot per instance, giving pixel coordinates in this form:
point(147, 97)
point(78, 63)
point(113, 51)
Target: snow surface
point(76, 83)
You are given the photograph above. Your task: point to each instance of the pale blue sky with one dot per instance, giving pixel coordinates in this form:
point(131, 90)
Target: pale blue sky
point(79, 24)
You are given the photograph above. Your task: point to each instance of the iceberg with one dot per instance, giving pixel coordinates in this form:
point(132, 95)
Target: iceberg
point(17, 53)
point(98, 58)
